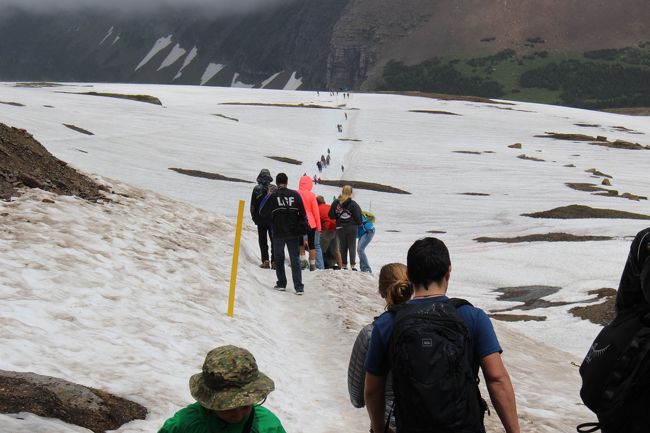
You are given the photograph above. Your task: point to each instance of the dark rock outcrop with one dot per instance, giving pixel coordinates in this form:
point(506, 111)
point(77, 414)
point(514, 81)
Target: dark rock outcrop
point(24, 162)
point(76, 404)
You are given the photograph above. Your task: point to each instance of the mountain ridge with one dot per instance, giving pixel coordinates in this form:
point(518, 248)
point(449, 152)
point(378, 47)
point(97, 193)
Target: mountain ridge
point(307, 44)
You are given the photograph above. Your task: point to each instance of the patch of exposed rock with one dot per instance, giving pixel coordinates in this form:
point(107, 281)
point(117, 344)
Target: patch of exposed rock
point(207, 175)
point(601, 313)
point(24, 162)
point(575, 211)
point(285, 159)
point(76, 404)
point(546, 237)
point(371, 186)
point(139, 98)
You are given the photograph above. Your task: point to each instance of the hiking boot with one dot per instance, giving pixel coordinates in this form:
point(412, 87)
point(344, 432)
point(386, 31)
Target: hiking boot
point(280, 288)
point(272, 265)
point(336, 268)
point(312, 267)
point(354, 268)
point(265, 264)
point(304, 264)
point(300, 292)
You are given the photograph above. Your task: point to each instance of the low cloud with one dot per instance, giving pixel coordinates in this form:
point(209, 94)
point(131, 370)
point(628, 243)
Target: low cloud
point(140, 6)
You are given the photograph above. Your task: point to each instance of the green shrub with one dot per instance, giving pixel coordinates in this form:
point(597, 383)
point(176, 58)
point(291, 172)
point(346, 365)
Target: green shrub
point(592, 85)
point(433, 76)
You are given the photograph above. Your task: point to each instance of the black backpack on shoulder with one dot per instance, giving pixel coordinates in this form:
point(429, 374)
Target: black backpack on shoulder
point(616, 375)
point(435, 380)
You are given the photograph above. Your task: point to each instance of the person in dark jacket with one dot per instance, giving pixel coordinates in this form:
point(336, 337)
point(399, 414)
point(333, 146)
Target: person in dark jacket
point(289, 222)
point(347, 214)
point(260, 194)
point(634, 287)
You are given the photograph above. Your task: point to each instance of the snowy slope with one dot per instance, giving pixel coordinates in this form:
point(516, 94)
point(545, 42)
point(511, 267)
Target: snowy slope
point(130, 295)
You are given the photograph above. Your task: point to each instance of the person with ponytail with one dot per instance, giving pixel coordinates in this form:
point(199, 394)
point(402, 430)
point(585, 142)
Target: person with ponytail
point(395, 289)
point(347, 214)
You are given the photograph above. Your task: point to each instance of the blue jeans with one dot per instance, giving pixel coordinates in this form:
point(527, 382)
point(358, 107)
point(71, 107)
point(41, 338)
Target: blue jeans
point(293, 245)
point(320, 264)
point(361, 250)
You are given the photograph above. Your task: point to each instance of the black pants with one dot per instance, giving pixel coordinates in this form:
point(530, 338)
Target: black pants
point(348, 243)
point(293, 245)
point(262, 231)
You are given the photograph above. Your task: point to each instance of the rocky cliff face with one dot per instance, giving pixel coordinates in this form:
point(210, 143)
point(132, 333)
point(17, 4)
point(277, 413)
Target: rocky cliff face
point(307, 44)
point(365, 28)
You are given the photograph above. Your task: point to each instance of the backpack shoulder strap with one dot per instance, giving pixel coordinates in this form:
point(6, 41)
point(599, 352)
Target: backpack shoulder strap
point(394, 309)
point(264, 200)
point(248, 427)
point(458, 302)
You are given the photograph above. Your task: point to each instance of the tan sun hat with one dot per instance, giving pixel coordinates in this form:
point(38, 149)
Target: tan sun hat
point(230, 379)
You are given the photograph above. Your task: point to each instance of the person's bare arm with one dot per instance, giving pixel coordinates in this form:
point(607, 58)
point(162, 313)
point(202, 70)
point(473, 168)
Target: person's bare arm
point(501, 391)
point(374, 396)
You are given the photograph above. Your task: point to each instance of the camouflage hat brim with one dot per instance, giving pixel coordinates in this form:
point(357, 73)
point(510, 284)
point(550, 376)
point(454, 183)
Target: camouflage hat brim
point(230, 398)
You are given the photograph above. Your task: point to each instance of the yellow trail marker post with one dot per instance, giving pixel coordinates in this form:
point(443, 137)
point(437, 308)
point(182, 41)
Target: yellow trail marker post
point(235, 260)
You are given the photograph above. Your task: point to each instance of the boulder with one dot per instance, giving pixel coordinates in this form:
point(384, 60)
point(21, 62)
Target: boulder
point(76, 404)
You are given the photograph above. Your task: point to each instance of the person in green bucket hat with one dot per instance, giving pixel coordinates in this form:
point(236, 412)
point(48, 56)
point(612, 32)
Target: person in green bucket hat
point(228, 393)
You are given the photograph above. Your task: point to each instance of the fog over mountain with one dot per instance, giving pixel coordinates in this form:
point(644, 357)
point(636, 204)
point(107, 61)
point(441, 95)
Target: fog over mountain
point(141, 6)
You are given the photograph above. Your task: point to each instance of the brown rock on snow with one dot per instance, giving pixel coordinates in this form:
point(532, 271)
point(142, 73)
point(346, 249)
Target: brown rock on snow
point(76, 404)
point(24, 162)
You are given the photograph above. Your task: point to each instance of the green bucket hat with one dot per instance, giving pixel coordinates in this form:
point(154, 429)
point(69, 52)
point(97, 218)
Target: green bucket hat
point(230, 379)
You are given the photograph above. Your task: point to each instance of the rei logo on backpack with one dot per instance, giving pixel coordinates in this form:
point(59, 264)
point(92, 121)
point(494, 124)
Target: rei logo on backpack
point(434, 379)
point(616, 375)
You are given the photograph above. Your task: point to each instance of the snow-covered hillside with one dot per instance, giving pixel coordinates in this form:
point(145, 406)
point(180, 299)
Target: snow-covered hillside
point(129, 295)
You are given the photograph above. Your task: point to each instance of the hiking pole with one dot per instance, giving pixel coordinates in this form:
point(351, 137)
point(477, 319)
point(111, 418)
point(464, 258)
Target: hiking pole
point(235, 260)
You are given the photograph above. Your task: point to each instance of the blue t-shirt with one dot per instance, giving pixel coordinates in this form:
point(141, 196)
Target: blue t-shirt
point(482, 336)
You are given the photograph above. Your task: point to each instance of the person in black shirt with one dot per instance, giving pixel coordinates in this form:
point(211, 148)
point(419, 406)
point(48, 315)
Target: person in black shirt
point(289, 221)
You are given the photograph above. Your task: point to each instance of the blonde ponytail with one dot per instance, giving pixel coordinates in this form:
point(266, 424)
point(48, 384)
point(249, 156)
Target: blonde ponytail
point(394, 286)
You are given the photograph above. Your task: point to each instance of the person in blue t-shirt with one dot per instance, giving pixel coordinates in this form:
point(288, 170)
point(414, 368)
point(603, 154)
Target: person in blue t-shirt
point(429, 270)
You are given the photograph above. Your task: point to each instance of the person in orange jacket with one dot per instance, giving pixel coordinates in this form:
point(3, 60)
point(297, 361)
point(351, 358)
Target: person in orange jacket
point(313, 217)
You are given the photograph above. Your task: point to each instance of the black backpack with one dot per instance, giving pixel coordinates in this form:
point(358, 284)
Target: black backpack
point(616, 375)
point(435, 377)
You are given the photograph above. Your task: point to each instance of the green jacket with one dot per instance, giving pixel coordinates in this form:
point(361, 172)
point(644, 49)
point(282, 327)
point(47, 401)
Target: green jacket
point(196, 419)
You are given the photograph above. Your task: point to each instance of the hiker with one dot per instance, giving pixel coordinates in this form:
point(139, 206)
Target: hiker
point(634, 287)
point(313, 218)
point(365, 233)
point(261, 193)
point(395, 289)
point(342, 168)
point(229, 393)
point(346, 116)
point(328, 151)
point(329, 243)
point(327, 160)
point(406, 341)
point(615, 370)
point(289, 222)
point(319, 165)
point(347, 214)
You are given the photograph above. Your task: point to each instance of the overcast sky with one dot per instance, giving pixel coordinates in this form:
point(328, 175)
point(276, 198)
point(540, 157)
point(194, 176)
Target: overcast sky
point(216, 6)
